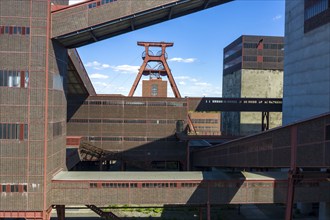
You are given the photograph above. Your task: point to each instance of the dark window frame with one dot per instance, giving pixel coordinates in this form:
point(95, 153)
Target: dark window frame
point(317, 20)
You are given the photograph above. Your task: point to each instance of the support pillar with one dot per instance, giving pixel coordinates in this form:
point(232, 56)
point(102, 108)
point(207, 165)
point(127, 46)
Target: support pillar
point(208, 211)
point(123, 165)
point(188, 156)
point(60, 209)
point(324, 211)
point(292, 174)
point(265, 121)
point(200, 213)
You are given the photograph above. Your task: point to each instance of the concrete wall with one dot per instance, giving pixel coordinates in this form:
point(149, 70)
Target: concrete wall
point(306, 67)
point(251, 83)
point(231, 88)
point(260, 84)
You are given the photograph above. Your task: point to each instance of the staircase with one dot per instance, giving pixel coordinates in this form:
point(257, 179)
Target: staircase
point(106, 215)
point(89, 152)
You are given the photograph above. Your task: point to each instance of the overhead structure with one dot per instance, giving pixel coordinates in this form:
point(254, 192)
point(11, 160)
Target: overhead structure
point(95, 20)
point(161, 69)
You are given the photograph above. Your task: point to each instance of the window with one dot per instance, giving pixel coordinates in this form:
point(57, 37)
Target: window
point(189, 185)
point(327, 133)
point(111, 139)
point(154, 90)
point(93, 185)
point(57, 82)
point(134, 139)
point(233, 62)
point(14, 131)
point(95, 120)
point(57, 129)
point(250, 58)
point(14, 30)
point(172, 185)
point(13, 188)
point(14, 78)
point(317, 13)
point(270, 59)
point(176, 104)
point(135, 103)
point(93, 5)
point(315, 7)
point(250, 45)
point(107, 1)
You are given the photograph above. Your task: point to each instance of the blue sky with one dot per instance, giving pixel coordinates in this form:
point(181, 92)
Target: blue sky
point(196, 57)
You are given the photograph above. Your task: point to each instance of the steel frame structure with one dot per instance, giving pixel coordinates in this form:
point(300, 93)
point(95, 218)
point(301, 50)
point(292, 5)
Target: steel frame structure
point(161, 58)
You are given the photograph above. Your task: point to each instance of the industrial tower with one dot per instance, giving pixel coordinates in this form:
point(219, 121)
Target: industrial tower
point(161, 69)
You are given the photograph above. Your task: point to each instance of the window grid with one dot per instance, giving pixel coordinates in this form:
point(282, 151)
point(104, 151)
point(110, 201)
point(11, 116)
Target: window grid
point(14, 30)
point(14, 78)
point(14, 131)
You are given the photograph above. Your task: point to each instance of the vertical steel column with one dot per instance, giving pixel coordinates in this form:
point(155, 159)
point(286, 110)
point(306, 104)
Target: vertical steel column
point(208, 210)
point(188, 156)
point(208, 204)
point(264, 121)
point(200, 213)
point(60, 209)
point(292, 172)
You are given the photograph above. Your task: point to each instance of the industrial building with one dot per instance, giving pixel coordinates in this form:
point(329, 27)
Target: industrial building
point(46, 95)
point(252, 67)
point(306, 65)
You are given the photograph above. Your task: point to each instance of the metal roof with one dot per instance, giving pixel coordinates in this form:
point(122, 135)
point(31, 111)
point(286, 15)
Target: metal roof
point(167, 176)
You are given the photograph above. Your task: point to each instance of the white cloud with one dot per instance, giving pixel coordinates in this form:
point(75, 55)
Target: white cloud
point(101, 84)
point(126, 68)
point(97, 65)
point(277, 17)
point(187, 78)
point(202, 84)
point(181, 77)
point(98, 76)
point(182, 60)
point(182, 83)
point(120, 68)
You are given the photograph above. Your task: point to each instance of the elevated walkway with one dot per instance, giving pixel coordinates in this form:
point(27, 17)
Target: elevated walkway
point(95, 20)
point(186, 188)
point(305, 143)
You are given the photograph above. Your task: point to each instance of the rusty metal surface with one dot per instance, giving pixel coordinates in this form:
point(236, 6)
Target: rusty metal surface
point(272, 148)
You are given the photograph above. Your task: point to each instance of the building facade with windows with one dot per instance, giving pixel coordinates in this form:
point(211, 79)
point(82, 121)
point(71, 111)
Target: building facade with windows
point(252, 67)
point(32, 107)
point(154, 88)
point(307, 59)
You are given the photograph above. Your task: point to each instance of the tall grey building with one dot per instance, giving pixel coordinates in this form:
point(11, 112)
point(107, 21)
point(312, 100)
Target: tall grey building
point(307, 60)
point(252, 68)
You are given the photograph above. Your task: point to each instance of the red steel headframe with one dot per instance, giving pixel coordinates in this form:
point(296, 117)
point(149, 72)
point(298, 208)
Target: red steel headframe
point(155, 58)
